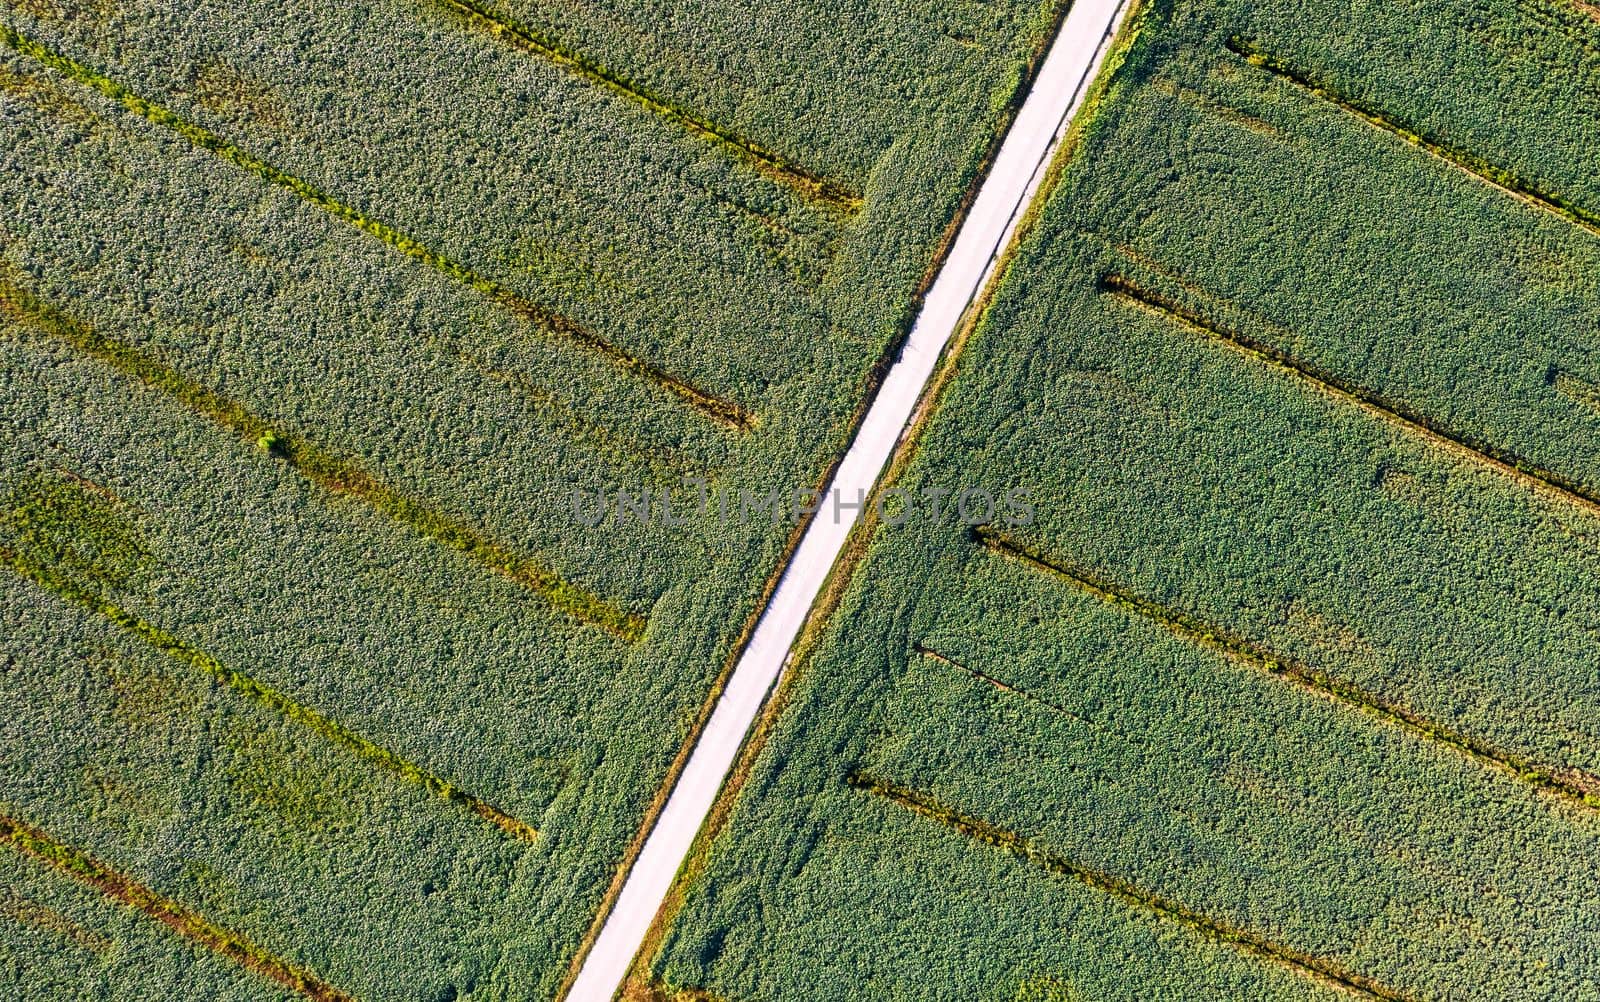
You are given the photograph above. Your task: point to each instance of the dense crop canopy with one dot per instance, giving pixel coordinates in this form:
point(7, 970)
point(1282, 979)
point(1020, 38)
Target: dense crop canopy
point(315, 316)
point(1289, 690)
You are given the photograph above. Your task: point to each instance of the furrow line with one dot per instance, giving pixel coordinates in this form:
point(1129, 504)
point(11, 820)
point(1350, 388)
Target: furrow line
point(80, 866)
point(326, 470)
point(1210, 105)
point(1032, 697)
point(1501, 460)
point(665, 461)
point(1574, 388)
point(1505, 181)
point(31, 914)
point(1572, 785)
point(722, 411)
point(812, 187)
point(1318, 969)
point(262, 694)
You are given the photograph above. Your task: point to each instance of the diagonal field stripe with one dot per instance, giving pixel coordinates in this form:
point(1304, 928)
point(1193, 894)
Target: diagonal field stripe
point(722, 411)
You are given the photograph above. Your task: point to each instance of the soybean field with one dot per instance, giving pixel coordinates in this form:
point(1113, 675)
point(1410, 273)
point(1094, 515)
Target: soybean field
point(318, 320)
point(1289, 689)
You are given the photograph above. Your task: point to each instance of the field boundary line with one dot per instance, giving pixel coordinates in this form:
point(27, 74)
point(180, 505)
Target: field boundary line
point(264, 695)
point(1571, 785)
point(80, 866)
point(332, 473)
point(808, 185)
point(1503, 461)
point(717, 409)
point(1505, 181)
point(1028, 850)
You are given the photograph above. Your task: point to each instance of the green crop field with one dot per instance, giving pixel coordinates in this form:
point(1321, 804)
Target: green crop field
point(313, 317)
point(1289, 689)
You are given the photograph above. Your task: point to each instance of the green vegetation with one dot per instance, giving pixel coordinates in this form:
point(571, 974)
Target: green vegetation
point(1046, 989)
point(521, 34)
point(314, 317)
point(329, 472)
point(32, 842)
point(71, 531)
point(1289, 690)
point(212, 143)
point(65, 939)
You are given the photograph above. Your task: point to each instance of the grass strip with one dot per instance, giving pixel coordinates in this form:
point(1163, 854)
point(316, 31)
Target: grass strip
point(1506, 181)
point(262, 694)
point(1396, 412)
point(814, 188)
point(326, 470)
point(80, 866)
point(1571, 785)
point(722, 411)
point(1316, 968)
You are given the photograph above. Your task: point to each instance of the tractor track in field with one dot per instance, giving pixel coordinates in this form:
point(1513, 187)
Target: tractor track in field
point(1501, 179)
point(1028, 850)
point(1393, 412)
point(184, 921)
point(334, 474)
point(961, 668)
point(810, 186)
point(722, 411)
point(262, 694)
point(1573, 786)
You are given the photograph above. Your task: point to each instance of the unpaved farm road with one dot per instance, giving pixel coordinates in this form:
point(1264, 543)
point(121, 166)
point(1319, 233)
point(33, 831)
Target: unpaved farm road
point(1012, 183)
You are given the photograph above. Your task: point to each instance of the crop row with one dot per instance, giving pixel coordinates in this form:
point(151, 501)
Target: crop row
point(1029, 850)
point(1380, 503)
point(247, 685)
point(531, 192)
point(186, 922)
point(144, 746)
point(1221, 789)
point(828, 193)
point(330, 472)
point(718, 409)
point(1573, 784)
point(1501, 178)
point(1493, 456)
